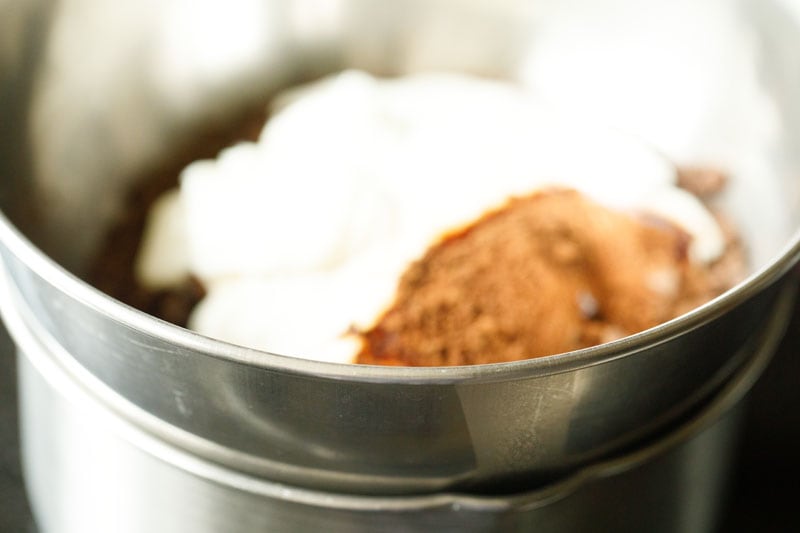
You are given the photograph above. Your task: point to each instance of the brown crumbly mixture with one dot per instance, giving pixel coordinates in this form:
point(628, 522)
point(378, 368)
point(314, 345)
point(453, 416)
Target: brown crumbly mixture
point(546, 274)
point(112, 269)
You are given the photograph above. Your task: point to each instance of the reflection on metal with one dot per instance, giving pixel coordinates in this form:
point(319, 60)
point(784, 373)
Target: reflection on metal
point(93, 99)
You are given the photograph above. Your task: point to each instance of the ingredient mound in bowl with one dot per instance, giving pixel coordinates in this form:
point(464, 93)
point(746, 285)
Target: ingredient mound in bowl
point(546, 274)
point(428, 220)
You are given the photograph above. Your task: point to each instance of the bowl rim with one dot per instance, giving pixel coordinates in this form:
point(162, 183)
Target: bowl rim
point(84, 293)
point(723, 401)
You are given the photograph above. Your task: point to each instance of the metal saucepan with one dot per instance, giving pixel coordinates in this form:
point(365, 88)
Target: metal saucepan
point(91, 94)
point(87, 469)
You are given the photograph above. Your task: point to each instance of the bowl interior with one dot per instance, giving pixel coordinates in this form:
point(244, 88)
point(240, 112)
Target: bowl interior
point(102, 93)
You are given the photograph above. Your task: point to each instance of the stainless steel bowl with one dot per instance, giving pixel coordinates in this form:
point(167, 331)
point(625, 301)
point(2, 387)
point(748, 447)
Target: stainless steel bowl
point(94, 93)
point(106, 474)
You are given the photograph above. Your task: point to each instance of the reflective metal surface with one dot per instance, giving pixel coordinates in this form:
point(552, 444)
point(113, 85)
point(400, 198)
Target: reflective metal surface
point(108, 475)
point(762, 476)
point(96, 93)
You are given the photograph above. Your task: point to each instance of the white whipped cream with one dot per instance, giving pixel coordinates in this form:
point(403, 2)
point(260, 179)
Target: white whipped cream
point(305, 233)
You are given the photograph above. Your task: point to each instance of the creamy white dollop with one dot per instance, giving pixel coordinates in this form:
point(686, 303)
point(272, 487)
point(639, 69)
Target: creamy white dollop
point(305, 233)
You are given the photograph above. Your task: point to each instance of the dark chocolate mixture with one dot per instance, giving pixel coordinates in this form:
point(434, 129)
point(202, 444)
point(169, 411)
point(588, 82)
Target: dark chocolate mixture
point(112, 269)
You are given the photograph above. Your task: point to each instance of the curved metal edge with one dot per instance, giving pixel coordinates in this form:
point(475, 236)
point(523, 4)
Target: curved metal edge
point(81, 396)
point(45, 267)
point(35, 340)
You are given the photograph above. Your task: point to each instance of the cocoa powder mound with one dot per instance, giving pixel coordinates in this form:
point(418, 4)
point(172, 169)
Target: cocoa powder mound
point(545, 274)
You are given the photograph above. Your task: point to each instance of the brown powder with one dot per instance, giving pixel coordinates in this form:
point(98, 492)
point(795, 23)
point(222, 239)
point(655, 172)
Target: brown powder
point(545, 274)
